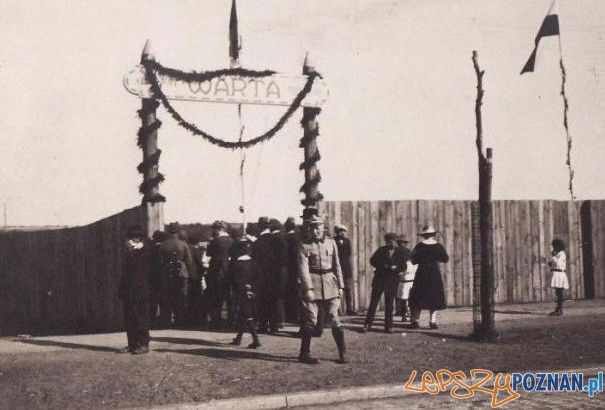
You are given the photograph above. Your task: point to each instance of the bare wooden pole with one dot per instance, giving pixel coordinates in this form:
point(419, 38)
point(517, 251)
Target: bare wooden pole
point(311, 152)
point(153, 211)
point(486, 330)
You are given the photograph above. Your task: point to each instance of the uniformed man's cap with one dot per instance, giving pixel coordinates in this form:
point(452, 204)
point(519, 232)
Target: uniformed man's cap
point(402, 238)
point(340, 228)
point(173, 228)
point(390, 236)
point(308, 213)
point(315, 220)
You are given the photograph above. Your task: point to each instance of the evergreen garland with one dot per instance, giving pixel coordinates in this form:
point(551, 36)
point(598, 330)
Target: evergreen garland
point(152, 66)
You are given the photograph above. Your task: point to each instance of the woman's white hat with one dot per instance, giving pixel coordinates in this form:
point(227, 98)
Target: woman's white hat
point(428, 230)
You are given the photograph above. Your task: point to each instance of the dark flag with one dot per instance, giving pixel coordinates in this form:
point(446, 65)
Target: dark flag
point(234, 45)
point(549, 27)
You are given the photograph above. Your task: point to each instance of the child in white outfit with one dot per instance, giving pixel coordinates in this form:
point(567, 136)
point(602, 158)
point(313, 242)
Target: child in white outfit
point(558, 267)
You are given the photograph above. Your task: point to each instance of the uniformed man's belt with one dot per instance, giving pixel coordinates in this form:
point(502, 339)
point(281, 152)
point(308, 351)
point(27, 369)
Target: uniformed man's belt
point(557, 270)
point(320, 271)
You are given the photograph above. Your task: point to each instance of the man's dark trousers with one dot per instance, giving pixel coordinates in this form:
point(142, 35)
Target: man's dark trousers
point(386, 283)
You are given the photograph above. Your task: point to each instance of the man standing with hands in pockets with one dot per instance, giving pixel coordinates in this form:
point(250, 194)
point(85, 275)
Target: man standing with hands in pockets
point(321, 287)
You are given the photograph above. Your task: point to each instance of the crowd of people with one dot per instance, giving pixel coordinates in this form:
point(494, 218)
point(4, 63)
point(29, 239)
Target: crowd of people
point(273, 274)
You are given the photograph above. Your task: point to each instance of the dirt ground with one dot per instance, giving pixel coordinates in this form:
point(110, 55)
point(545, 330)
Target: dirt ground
point(84, 371)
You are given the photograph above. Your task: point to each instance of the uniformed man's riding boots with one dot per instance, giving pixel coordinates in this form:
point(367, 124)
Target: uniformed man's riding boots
point(305, 347)
point(339, 338)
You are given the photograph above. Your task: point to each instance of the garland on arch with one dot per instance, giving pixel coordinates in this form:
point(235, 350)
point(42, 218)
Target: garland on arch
point(152, 66)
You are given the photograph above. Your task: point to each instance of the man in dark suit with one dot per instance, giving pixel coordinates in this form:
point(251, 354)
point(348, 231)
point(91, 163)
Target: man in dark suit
point(261, 254)
point(389, 261)
point(218, 281)
point(344, 255)
point(135, 292)
point(279, 259)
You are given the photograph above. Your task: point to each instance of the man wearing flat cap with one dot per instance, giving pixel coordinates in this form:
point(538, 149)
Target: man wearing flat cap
point(344, 256)
point(218, 282)
point(389, 261)
point(321, 286)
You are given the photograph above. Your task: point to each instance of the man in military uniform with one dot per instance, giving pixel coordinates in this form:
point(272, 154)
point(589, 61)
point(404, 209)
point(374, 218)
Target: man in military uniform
point(321, 286)
point(177, 263)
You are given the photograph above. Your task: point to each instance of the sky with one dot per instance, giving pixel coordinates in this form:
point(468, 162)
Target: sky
point(399, 122)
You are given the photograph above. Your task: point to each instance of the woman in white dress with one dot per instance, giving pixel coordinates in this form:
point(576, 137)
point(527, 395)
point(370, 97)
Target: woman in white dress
point(558, 267)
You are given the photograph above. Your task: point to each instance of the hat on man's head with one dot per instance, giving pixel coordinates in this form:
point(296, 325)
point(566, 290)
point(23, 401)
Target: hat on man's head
point(315, 220)
point(402, 238)
point(274, 224)
point(219, 225)
point(427, 230)
point(340, 228)
point(250, 230)
point(390, 236)
point(263, 223)
point(289, 224)
point(173, 228)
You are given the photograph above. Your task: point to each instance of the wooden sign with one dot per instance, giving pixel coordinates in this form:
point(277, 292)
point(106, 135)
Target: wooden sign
point(276, 89)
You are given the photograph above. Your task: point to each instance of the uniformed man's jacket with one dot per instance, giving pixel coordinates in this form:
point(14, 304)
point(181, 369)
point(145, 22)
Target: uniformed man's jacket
point(176, 248)
point(319, 269)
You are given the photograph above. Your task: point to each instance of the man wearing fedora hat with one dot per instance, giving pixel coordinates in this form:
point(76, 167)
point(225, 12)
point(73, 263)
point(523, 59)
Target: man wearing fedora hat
point(321, 286)
point(389, 261)
point(134, 291)
point(344, 256)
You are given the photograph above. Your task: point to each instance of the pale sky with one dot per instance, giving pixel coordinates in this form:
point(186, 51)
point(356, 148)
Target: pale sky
point(399, 122)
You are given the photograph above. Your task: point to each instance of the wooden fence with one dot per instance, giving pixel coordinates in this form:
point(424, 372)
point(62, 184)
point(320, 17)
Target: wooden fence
point(66, 280)
point(63, 280)
point(523, 231)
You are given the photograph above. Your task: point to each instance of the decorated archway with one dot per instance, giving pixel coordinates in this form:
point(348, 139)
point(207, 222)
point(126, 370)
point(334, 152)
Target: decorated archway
point(157, 84)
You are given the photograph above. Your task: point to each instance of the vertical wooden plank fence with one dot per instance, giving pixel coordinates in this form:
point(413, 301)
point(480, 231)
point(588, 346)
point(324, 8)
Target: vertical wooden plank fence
point(63, 280)
point(523, 231)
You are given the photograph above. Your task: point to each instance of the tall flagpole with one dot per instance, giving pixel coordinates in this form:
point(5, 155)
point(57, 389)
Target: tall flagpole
point(565, 123)
point(234, 49)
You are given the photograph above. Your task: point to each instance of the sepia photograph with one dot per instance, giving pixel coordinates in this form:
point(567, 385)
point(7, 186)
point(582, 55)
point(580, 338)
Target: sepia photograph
point(268, 204)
